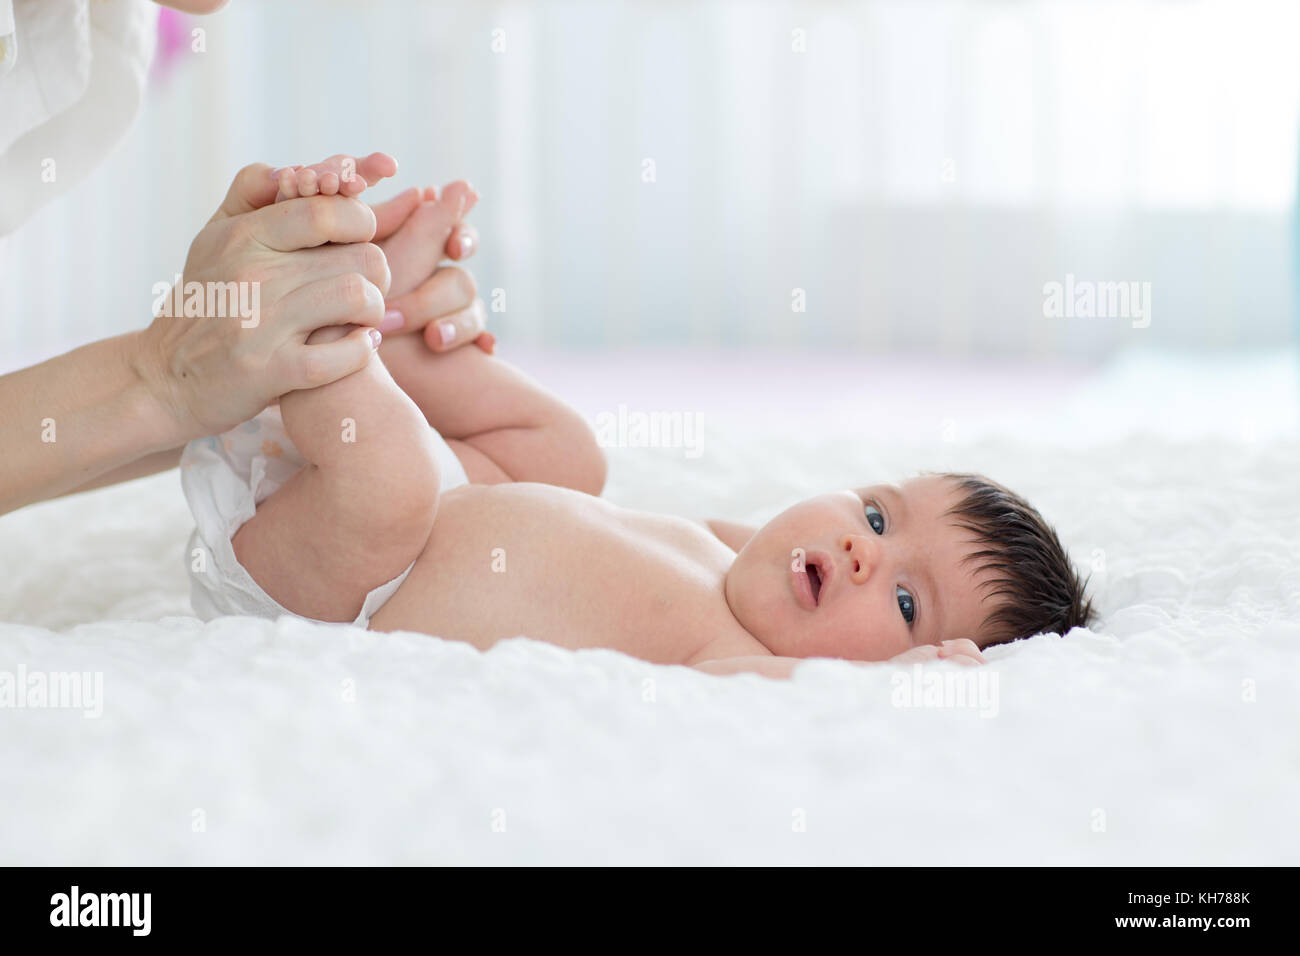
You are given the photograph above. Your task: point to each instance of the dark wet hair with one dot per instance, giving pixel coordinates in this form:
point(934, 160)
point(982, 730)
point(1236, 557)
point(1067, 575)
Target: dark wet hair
point(1033, 584)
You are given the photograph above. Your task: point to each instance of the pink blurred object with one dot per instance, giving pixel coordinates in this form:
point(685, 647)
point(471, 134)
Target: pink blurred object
point(173, 41)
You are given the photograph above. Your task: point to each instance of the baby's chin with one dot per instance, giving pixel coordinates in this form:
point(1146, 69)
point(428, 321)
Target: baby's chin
point(743, 608)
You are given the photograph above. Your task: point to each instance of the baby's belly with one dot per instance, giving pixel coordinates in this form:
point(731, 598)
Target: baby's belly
point(562, 567)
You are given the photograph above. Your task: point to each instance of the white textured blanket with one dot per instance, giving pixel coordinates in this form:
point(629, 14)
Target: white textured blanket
point(1170, 735)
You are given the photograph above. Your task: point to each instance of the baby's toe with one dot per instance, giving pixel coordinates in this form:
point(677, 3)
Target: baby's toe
point(459, 197)
point(436, 218)
point(308, 182)
point(287, 181)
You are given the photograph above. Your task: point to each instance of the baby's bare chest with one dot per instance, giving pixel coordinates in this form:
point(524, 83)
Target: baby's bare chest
point(566, 568)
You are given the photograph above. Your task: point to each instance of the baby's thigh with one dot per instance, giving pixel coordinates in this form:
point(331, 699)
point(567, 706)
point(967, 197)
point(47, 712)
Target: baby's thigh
point(359, 513)
point(307, 550)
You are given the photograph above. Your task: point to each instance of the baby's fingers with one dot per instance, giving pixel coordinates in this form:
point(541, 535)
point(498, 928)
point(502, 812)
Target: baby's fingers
point(917, 655)
point(961, 651)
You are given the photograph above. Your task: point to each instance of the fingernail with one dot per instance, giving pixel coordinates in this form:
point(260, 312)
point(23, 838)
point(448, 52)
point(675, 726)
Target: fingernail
point(375, 338)
point(466, 245)
point(275, 173)
point(448, 332)
point(393, 320)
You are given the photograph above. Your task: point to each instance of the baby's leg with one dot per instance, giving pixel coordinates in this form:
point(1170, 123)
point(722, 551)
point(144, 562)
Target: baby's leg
point(361, 511)
point(415, 250)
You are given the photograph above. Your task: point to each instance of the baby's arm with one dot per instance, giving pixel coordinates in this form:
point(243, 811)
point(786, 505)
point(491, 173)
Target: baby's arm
point(962, 652)
point(501, 424)
point(776, 667)
point(360, 511)
point(733, 535)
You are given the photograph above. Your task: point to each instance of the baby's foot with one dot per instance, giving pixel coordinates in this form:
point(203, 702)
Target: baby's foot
point(340, 175)
point(416, 248)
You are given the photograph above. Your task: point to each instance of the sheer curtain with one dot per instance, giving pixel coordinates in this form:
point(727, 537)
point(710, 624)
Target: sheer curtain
point(853, 175)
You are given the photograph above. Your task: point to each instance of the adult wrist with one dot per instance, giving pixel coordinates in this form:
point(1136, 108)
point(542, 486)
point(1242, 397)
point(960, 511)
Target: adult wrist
point(149, 399)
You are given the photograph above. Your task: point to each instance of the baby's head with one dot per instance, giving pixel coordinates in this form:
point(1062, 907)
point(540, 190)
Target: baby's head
point(867, 574)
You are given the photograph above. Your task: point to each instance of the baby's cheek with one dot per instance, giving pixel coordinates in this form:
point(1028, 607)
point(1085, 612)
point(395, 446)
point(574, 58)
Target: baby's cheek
point(844, 637)
point(872, 638)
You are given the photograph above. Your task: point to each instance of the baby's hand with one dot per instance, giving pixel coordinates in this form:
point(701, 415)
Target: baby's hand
point(962, 652)
point(340, 175)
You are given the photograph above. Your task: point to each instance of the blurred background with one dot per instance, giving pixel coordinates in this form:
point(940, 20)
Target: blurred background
point(844, 180)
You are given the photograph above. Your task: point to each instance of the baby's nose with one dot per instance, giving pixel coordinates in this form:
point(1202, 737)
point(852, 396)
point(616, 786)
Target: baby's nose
point(861, 553)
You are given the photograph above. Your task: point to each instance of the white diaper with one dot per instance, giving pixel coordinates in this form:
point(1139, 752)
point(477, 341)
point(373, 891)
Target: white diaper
point(224, 478)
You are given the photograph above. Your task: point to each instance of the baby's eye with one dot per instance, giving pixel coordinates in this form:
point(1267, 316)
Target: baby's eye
point(905, 604)
point(875, 519)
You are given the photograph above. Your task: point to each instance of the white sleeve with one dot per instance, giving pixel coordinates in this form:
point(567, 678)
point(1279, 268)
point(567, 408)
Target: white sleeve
point(7, 46)
point(71, 80)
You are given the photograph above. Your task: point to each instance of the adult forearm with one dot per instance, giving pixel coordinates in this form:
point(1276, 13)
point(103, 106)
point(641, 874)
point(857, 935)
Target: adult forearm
point(74, 419)
point(140, 468)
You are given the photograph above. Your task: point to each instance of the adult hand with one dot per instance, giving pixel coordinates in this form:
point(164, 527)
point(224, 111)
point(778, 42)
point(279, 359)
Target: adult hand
point(446, 304)
point(213, 372)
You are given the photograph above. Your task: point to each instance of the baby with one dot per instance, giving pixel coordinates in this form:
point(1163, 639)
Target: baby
point(451, 495)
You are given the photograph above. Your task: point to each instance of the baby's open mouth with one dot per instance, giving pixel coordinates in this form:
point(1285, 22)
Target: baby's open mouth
point(810, 577)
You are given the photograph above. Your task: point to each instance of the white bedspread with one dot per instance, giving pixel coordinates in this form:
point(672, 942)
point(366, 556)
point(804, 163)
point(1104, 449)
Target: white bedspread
point(1170, 735)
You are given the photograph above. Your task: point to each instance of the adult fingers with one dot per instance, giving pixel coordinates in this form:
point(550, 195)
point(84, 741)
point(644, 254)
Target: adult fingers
point(365, 258)
point(252, 188)
point(449, 290)
point(311, 221)
point(311, 366)
point(349, 297)
point(462, 242)
point(457, 329)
